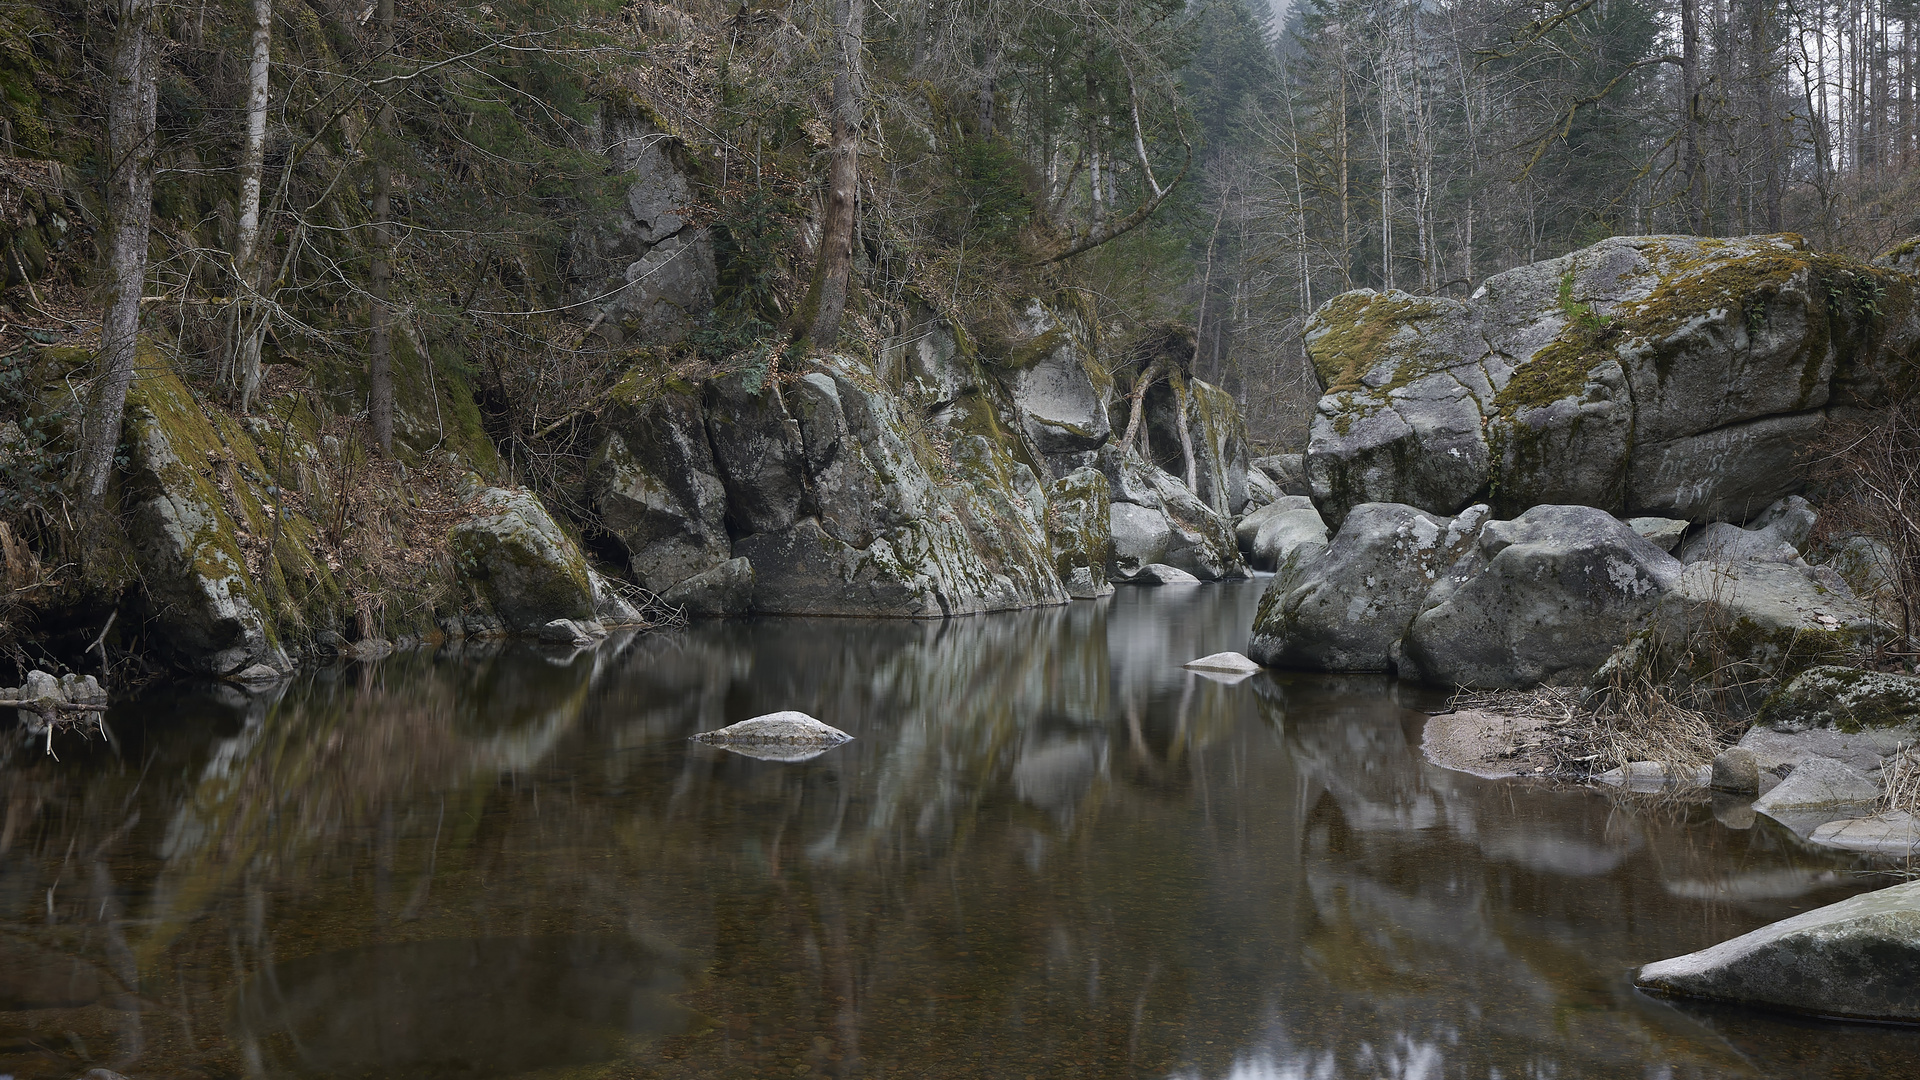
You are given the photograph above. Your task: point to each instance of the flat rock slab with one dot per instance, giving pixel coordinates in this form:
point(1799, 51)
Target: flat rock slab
point(1863, 750)
point(1895, 833)
point(1818, 790)
point(1857, 959)
point(1232, 663)
point(794, 731)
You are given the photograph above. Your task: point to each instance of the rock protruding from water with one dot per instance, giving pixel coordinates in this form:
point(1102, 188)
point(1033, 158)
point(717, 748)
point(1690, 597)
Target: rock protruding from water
point(1347, 609)
point(1855, 959)
point(1231, 663)
point(782, 736)
point(1665, 375)
point(724, 591)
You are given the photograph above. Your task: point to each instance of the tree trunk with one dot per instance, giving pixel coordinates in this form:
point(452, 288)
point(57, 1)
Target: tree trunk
point(827, 297)
point(1138, 407)
point(380, 351)
point(1186, 437)
point(131, 101)
point(249, 322)
point(1690, 168)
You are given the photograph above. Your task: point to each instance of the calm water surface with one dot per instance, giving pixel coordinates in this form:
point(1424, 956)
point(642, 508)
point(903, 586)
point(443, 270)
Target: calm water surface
point(1049, 853)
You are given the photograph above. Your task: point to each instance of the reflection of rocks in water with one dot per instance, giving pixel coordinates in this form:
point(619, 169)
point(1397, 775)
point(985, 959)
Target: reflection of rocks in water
point(1055, 774)
point(1772, 1044)
point(32, 977)
point(459, 1007)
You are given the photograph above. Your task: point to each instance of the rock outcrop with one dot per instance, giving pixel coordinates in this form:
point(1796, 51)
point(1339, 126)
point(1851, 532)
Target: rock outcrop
point(193, 516)
point(1852, 959)
point(1663, 375)
point(643, 271)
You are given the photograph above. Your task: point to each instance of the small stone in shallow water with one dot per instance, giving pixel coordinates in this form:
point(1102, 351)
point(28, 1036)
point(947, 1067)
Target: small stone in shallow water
point(1231, 662)
point(788, 728)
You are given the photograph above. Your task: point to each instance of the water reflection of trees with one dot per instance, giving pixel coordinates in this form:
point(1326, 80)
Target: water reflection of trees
point(1049, 851)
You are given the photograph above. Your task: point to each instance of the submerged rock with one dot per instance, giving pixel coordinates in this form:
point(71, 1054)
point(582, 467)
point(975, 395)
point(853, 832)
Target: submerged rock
point(1893, 833)
point(1232, 663)
point(1855, 959)
point(789, 730)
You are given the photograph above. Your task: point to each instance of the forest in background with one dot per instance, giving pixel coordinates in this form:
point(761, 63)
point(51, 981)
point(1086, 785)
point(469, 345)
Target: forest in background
point(323, 174)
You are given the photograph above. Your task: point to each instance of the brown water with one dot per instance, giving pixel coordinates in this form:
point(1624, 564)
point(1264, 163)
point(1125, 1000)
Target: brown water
point(1049, 853)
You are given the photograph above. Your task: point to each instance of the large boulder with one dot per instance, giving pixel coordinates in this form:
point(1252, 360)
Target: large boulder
point(1646, 375)
point(1857, 958)
point(1348, 609)
point(1268, 535)
point(1738, 629)
point(655, 485)
point(190, 517)
point(1155, 518)
point(1544, 598)
point(520, 563)
point(1847, 698)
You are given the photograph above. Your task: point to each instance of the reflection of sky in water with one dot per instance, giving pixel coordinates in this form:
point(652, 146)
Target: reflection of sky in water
point(1050, 851)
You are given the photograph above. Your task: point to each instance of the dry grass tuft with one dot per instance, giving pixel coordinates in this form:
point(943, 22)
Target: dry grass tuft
point(1583, 733)
point(1901, 774)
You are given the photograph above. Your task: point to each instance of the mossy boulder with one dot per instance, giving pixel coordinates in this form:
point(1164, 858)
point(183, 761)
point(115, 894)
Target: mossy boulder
point(1079, 508)
point(520, 563)
point(196, 528)
point(1848, 698)
point(1730, 632)
point(1653, 375)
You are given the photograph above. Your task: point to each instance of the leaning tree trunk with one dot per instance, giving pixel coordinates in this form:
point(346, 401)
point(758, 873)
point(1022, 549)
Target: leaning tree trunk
point(131, 100)
point(1138, 408)
point(827, 296)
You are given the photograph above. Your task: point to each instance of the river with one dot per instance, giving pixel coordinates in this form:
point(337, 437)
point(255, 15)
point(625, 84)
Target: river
point(1049, 853)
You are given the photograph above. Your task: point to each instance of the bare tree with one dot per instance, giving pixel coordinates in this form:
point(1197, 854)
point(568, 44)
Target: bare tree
point(826, 300)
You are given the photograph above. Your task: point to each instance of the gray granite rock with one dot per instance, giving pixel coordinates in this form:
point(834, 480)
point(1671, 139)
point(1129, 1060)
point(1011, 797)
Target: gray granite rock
point(1663, 533)
point(1818, 790)
point(1858, 958)
point(724, 591)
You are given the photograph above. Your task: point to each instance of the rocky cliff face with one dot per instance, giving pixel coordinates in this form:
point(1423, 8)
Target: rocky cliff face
point(927, 482)
point(1672, 376)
